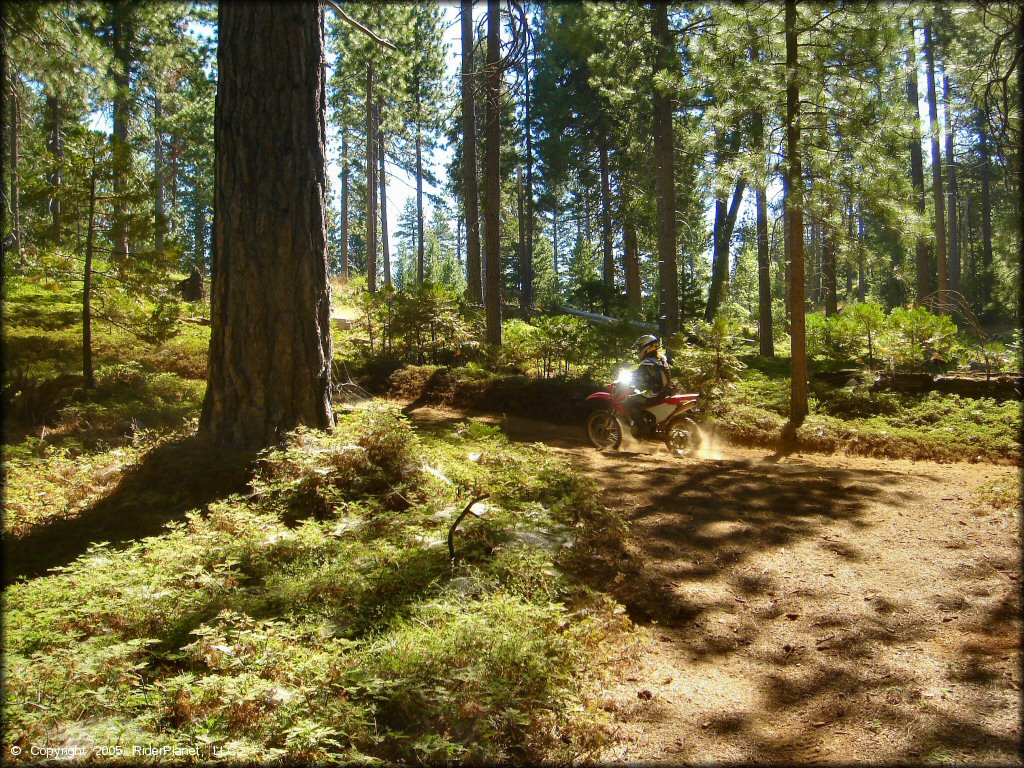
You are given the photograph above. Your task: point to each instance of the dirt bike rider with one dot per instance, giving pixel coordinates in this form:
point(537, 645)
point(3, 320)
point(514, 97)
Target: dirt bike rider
point(651, 382)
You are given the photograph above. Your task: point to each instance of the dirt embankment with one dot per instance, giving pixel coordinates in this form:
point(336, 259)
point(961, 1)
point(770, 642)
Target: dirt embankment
point(806, 610)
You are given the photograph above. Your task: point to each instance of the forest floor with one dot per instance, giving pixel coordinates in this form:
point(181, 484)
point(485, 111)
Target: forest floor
point(811, 608)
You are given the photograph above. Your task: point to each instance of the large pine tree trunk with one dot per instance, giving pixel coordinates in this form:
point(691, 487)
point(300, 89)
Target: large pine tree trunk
point(630, 246)
point(938, 198)
point(55, 146)
point(420, 246)
point(794, 210)
point(828, 269)
point(119, 137)
point(923, 276)
point(953, 193)
point(725, 223)
point(473, 268)
point(16, 244)
point(270, 348)
point(371, 186)
point(160, 224)
point(764, 281)
point(87, 371)
point(530, 225)
point(344, 204)
point(492, 190)
point(664, 179)
point(606, 227)
point(986, 212)
point(861, 276)
point(521, 220)
point(385, 253)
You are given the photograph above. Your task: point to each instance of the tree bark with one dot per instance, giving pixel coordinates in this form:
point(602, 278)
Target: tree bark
point(492, 191)
point(55, 146)
point(606, 227)
point(87, 372)
point(940, 203)
point(199, 237)
point(160, 224)
point(828, 269)
point(521, 219)
point(794, 210)
point(861, 276)
point(923, 281)
point(270, 347)
point(530, 225)
point(385, 253)
point(371, 185)
point(953, 193)
point(420, 246)
point(119, 137)
point(986, 212)
point(664, 176)
point(344, 205)
point(725, 223)
point(630, 247)
point(474, 286)
point(765, 333)
point(16, 244)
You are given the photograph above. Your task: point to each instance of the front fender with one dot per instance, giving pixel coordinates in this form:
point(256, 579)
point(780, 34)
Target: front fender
point(600, 396)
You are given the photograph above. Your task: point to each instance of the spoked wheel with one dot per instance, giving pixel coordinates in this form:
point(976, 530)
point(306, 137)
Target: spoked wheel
point(682, 437)
point(604, 430)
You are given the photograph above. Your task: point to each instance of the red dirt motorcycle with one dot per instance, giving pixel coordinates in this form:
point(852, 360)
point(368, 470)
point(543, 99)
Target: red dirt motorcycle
point(670, 424)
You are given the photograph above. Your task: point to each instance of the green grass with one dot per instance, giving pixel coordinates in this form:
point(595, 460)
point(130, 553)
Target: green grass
point(319, 617)
point(932, 426)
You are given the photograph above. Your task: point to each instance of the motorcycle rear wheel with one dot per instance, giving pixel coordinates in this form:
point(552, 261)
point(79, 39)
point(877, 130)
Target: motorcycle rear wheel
point(604, 430)
point(682, 436)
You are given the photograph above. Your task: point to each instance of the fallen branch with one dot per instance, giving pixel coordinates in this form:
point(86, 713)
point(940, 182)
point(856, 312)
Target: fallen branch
point(462, 514)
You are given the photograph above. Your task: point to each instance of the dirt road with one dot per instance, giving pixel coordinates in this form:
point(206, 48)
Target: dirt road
point(812, 609)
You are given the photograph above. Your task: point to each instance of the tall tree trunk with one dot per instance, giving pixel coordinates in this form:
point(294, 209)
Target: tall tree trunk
point(554, 242)
point(664, 179)
point(828, 269)
point(344, 205)
point(725, 223)
point(492, 190)
point(940, 203)
point(371, 185)
point(199, 237)
point(385, 253)
point(630, 247)
point(420, 247)
point(606, 227)
point(160, 224)
point(987, 277)
point(119, 137)
point(474, 286)
point(530, 224)
point(87, 372)
point(270, 347)
point(953, 193)
point(794, 209)
point(55, 146)
point(923, 281)
point(861, 277)
point(16, 244)
point(521, 219)
point(764, 280)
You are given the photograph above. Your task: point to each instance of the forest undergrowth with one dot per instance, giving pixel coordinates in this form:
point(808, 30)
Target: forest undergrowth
point(318, 616)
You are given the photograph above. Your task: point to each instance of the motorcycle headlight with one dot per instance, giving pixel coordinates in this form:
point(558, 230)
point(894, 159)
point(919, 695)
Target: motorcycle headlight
point(625, 378)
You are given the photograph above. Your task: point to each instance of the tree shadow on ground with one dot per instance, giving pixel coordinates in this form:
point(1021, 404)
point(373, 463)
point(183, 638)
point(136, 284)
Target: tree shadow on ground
point(170, 480)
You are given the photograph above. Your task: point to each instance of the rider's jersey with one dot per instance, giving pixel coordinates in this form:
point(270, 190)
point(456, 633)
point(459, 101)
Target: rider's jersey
point(651, 376)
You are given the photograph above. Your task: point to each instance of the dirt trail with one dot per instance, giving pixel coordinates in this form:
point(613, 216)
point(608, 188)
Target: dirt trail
point(815, 609)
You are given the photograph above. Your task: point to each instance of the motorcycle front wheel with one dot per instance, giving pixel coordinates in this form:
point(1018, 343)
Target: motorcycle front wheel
point(604, 430)
point(682, 436)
